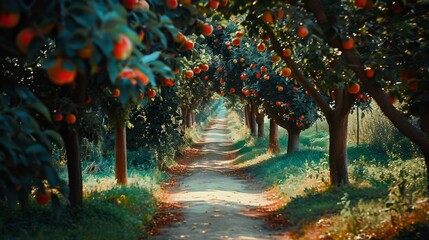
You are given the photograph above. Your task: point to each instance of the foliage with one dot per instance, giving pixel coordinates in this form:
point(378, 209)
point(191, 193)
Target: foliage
point(25, 156)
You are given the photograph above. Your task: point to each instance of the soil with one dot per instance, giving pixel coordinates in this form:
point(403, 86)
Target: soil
point(209, 201)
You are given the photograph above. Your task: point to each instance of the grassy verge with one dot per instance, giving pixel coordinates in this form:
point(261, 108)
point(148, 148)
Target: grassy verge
point(385, 200)
point(108, 212)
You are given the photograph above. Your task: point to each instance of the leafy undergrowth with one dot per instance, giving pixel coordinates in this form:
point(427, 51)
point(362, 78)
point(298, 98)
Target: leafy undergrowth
point(108, 212)
point(385, 200)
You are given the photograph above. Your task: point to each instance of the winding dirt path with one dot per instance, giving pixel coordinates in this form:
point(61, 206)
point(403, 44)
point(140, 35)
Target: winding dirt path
point(216, 204)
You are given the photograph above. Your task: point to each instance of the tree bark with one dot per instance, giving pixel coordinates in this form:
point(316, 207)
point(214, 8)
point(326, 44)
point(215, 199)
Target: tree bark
point(252, 121)
point(260, 120)
point(293, 139)
point(246, 116)
point(120, 153)
point(273, 146)
point(71, 138)
point(188, 118)
point(185, 117)
point(74, 168)
point(194, 117)
point(338, 150)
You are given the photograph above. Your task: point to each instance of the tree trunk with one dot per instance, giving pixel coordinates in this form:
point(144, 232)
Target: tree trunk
point(188, 118)
point(184, 117)
point(293, 139)
point(273, 146)
point(71, 139)
point(120, 153)
point(260, 120)
point(194, 117)
point(338, 150)
point(74, 168)
point(252, 121)
point(246, 116)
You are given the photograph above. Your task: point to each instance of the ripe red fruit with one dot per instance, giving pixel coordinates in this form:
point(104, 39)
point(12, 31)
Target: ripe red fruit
point(279, 103)
point(189, 74)
point(267, 17)
point(168, 82)
point(9, 20)
point(24, 38)
point(280, 14)
point(129, 3)
point(151, 93)
point(261, 47)
point(286, 72)
point(348, 43)
point(223, 3)
point(280, 88)
point(116, 92)
point(58, 117)
point(275, 58)
point(127, 73)
point(43, 198)
point(204, 67)
point(302, 31)
point(236, 42)
point(239, 34)
point(287, 52)
point(189, 45)
point(142, 77)
point(232, 90)
point(71, 118)
point(266, 77)
point(62, 72)
point(207, 29)
point(243, 76)
point(213, 4)
point(370, 73)
point(172, 4)
point(360, 3)
point(354, 89)
point(122, 48)
point(299, 124)
point(197, 70)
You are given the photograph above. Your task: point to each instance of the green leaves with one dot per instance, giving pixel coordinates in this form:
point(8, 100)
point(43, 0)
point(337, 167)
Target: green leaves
point(25, 155)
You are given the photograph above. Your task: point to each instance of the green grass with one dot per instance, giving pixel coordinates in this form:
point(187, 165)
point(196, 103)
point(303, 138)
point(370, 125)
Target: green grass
point(108, 212)
point(382, 180)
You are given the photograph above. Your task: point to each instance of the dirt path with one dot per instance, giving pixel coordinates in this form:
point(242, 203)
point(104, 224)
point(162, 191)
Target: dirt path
point(216, 204)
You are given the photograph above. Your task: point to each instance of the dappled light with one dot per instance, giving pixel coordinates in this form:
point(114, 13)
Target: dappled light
point(214, 119)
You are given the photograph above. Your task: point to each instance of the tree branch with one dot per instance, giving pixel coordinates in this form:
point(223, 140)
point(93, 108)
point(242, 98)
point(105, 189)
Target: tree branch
point(297, 74)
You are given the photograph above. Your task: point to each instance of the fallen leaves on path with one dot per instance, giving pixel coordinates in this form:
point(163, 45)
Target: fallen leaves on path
point(167, 214)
